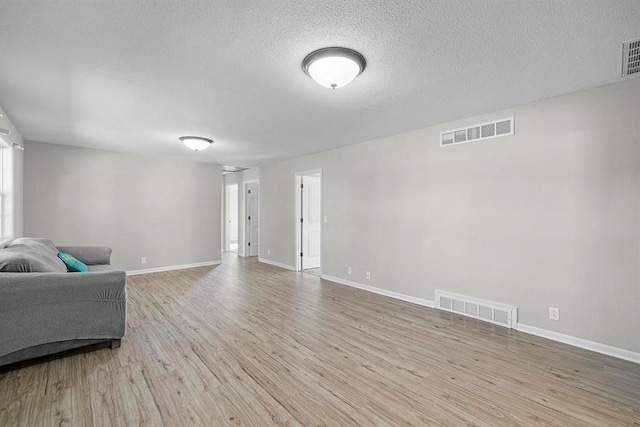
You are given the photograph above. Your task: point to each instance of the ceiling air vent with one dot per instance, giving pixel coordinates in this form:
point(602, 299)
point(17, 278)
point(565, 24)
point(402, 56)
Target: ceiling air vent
point(502, 127)
point(631, 58)
point(232, 169)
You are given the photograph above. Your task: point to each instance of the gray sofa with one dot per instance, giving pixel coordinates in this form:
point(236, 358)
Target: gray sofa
point(44, 309)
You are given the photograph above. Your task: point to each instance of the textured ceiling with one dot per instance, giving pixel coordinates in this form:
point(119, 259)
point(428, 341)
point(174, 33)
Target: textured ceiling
point(135, 75)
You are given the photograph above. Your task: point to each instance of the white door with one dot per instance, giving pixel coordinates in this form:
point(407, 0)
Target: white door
point(311, 212)
point(232, 216)
point(252, 210)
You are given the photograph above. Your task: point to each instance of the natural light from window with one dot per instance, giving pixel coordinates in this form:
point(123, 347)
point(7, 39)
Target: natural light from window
point(6, 193)
point(2, 150)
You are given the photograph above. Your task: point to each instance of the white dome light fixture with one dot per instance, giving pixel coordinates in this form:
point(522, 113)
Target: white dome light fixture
point(334, 67)
point(196, 143)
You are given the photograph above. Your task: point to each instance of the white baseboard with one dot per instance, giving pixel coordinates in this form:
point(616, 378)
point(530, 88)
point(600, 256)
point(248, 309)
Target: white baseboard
point(276, 264)
point(554, 336)
point(379, 291)
point(581, 343)
point(172, 267)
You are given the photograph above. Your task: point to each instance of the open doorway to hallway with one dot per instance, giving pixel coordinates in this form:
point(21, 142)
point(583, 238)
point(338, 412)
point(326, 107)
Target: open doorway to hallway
point(231, 217)
point(309, 221)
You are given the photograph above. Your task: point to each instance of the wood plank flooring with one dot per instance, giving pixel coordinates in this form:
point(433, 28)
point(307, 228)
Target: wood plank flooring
point(245, 343)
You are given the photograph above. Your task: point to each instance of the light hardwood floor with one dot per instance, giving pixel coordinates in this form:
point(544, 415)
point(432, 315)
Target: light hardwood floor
point(250, 344)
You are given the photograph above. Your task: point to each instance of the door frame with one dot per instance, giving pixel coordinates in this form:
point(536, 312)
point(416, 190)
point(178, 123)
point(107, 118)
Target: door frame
point(227, 240)
point(298, 214)
point(247, 226)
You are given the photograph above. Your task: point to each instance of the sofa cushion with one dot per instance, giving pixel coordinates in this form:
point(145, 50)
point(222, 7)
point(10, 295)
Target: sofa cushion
point(25, 260)
point(101, 267)
point(26, 255)
point(44, 245)
point(72, 263)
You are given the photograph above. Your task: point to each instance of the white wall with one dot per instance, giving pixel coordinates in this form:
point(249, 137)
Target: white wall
point(547, 217)
point(241, 178)
point(164, 209)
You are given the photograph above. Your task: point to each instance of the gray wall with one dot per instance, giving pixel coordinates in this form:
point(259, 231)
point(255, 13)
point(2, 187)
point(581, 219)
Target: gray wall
point(547, 217)
point(163, 209)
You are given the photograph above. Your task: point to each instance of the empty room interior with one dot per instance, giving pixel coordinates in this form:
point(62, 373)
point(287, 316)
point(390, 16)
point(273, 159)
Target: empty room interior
point(338, 213)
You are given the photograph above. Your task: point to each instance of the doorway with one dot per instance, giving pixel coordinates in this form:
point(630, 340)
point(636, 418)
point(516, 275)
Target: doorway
point(252, 218)
point(309, 221)
point(231, 217)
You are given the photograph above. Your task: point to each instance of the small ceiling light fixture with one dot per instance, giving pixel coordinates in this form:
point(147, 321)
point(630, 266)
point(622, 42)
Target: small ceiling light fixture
point(196, 143)
point(334, 67)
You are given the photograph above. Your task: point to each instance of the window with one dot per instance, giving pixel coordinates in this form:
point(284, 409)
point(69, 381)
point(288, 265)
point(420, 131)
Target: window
point(2, 196)
point(6, 193)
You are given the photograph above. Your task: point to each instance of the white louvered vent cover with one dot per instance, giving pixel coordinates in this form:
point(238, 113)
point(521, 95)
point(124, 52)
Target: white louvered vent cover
point(489, 311)
point(631, 58)
point(479, 132)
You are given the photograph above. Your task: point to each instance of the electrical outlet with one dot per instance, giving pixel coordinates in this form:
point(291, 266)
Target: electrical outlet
point(143, 260)
point(326, 219)
point(268, 251)
point(554, 313)
point(349, 270)
point(367, 275)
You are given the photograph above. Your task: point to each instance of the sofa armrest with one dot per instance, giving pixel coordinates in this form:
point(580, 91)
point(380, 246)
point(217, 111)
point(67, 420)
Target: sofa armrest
point(19, 289)
point(38, 308)
point(90, 255)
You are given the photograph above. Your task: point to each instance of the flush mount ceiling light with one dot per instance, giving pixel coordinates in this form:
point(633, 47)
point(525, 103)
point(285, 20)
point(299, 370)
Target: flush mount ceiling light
point(334, 67)
point(196, 143)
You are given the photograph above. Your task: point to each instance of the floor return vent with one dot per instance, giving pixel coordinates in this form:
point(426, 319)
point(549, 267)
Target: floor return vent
point(489, 311)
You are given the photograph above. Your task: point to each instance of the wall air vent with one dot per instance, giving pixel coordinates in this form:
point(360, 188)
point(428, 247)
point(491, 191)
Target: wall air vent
point(489, 311)
point(479, 132)
point(631, 58)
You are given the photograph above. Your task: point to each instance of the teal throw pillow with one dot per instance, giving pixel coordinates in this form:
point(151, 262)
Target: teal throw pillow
point(72, 263)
